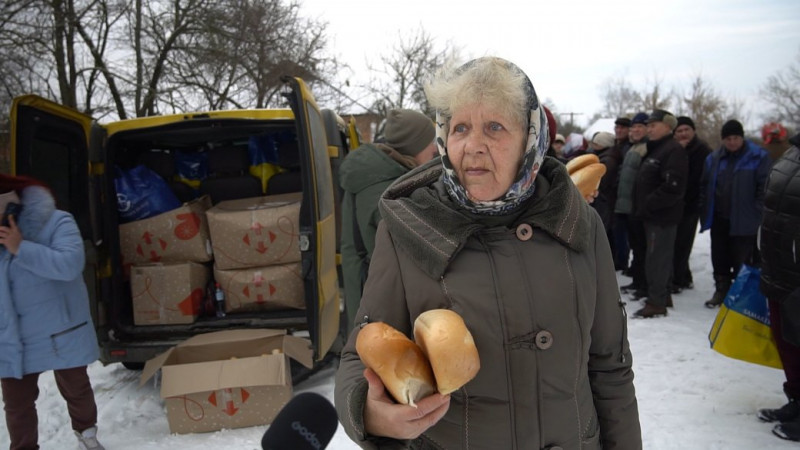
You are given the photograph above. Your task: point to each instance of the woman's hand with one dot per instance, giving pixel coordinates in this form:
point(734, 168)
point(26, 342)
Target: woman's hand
point(10, 236)
point(384, 417)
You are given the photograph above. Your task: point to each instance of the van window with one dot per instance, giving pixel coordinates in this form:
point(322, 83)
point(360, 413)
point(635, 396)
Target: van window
point(54, 152)
point(322, 165)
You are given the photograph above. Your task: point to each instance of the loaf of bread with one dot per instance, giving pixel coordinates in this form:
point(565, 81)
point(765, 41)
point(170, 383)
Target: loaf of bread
point(397, 360)
point(587, 179)
point(448, 344)
point(579, 162)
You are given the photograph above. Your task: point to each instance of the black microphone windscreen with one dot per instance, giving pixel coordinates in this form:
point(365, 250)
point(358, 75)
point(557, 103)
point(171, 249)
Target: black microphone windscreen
point(308, 421)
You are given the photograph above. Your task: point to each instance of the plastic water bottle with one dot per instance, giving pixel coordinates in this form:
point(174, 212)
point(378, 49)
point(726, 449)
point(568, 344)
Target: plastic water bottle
point(219, 296)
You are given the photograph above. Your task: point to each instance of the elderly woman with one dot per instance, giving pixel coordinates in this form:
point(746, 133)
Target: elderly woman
point(499, 234)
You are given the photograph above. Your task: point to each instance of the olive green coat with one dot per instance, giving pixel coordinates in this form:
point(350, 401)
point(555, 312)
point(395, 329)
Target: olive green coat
point(543, 307)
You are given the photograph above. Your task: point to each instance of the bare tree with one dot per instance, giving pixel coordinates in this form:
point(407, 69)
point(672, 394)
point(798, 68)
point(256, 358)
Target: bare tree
point(707, 109)
point(136, 58)
point(398, 81)
point(619, 98)
point(653, 96)
point(782, 91)
point(249, 45)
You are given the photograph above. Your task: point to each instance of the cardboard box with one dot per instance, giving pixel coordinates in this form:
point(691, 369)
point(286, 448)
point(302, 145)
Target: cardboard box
point(227, 379)
point(179, 235)
point(263, 288)
point(168, 293)
point(256, 231)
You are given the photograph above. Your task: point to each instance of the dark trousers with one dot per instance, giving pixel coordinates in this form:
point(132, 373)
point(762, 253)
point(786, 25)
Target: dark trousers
point(658, 262)
point(621, 248)
point(728, 253)
point(638, 243)
point(790, 354)
point(19, 400)
point(684, 240)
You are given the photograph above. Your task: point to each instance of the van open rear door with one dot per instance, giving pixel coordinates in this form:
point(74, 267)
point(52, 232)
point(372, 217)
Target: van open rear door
point(317, 238)
point(50, 142)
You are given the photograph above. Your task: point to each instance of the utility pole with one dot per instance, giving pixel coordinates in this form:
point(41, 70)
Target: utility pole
point(571, 117)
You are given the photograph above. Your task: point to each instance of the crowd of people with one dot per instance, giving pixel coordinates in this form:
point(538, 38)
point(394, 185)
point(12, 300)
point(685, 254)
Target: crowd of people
point(475, 212)
point(462, 232)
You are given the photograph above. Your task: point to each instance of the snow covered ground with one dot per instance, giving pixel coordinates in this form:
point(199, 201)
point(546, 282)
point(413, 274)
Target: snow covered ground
point(690, 397)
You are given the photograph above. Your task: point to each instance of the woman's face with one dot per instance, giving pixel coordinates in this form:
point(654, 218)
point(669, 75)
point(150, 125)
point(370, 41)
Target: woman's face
point(485, 148)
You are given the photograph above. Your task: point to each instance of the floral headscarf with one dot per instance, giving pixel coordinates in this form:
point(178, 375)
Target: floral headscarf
point(535, 148)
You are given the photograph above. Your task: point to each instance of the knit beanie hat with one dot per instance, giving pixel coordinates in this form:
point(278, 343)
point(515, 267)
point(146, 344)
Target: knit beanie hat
point(640, 118)
point(684, 120)
point(604, 139)
point(407, 131)
point(624, 121)
point(662, 115)
point(732, 128)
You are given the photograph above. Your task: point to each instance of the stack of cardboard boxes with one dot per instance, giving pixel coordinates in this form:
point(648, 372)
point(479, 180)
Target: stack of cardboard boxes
point(257, 252)
point(164, 255)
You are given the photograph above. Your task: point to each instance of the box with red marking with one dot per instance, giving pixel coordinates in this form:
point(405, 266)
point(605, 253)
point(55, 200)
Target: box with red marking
point(175, 236)
point(169, 293)
point(227, 379)
point(262, 288)
point(256, 231)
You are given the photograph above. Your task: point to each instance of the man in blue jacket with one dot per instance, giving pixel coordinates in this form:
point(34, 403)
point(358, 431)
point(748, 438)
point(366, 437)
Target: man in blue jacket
point(732, 202)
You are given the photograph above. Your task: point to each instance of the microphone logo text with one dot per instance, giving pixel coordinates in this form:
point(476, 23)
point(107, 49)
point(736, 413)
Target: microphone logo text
point(307, 435)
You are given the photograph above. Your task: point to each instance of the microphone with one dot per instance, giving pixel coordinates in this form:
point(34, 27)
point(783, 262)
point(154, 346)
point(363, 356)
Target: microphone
point(307, 422)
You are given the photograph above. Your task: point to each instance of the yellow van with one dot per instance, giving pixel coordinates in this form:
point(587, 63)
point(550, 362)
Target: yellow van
point(77, 157)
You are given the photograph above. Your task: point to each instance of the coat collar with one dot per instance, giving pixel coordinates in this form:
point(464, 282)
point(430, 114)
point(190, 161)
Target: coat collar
point(431, 230)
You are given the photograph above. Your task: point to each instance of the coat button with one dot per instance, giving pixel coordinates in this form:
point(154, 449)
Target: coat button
point(544, 340)
point(524, 232)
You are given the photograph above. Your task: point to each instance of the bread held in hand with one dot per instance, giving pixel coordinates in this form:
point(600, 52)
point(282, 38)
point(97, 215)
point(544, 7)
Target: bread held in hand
point(449, 346)
point(579, 162)
point(397, 360)
point(587, 179)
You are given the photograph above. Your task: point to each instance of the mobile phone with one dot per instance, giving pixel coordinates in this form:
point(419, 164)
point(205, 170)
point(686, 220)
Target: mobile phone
point(12, 209)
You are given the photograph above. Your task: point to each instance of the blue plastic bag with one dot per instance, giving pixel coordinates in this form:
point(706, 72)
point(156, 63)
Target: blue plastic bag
point(141, 193)
point(191, 168)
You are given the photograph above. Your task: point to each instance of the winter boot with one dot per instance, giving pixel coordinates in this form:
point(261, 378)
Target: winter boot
point(722, 284)
point(638, 295)
point(87, 440)
point(650, 311)
point(786, 413)
point(788, 430)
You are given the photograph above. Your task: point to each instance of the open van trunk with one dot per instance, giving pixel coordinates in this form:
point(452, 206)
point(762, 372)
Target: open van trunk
point(79, 158)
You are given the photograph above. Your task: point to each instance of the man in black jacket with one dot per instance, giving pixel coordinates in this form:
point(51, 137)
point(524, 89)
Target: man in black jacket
point(697, 151)
point(780, 282)
point(658, 202)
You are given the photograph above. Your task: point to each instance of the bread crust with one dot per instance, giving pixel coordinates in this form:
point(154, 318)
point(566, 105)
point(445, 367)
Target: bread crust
point(579, 162)
point(587, 179)
point(398, 361)
point(444, 338)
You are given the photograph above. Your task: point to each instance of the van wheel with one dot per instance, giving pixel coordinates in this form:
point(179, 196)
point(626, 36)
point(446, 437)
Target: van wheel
point(133, 365)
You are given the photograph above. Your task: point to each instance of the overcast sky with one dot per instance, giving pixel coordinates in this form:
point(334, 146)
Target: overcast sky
point(570, 48)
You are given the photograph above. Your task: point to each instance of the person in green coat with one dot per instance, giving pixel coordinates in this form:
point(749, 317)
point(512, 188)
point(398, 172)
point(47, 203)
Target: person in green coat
point(408, 141)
